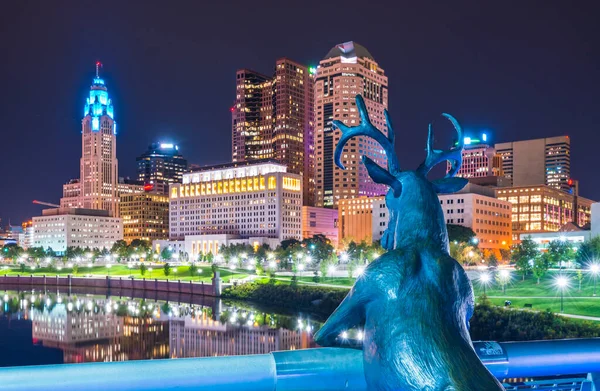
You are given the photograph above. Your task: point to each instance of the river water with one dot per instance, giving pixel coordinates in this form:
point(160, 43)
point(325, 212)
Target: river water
point(90, 325)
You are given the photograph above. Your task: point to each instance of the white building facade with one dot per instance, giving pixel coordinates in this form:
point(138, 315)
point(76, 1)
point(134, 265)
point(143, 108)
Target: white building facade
point(64, 227)
point(488, 217)
point(255, 202)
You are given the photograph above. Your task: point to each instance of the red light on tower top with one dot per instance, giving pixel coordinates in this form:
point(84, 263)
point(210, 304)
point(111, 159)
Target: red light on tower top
point(98, 66)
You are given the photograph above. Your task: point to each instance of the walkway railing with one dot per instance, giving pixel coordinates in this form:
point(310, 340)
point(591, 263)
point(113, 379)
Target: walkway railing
point(326, 369)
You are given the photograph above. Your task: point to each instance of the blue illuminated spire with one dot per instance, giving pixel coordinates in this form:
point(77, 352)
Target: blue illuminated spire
point(98, 104)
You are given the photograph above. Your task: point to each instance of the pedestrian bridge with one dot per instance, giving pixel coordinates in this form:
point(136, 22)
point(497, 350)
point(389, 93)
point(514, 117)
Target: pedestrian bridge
point(559, 365)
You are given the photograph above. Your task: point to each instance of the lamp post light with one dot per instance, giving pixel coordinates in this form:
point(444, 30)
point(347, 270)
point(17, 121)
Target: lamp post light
point(504, 277)
point(594, 269)
point(331, 270)
point(562, 282)
point(484, 279)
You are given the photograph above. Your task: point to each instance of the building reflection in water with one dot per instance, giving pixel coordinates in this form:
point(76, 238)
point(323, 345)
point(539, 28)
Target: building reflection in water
point(89, 329)
point(201, 336)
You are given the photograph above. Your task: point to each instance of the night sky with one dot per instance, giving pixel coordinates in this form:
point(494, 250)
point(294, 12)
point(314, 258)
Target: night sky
point(521, 69)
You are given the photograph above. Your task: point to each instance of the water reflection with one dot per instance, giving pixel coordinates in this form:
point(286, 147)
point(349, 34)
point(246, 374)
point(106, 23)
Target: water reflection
point(92, 328)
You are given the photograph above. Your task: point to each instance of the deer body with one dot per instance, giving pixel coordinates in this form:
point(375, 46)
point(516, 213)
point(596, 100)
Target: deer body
point(415, 301)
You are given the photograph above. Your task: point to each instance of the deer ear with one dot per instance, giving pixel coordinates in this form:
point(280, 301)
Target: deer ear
point(449, 185)
point(379, 175)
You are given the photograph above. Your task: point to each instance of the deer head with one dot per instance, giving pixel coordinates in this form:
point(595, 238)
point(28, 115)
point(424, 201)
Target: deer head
point(416, 216)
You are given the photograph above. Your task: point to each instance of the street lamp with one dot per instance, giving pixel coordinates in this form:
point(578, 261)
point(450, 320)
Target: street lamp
point(344, 257)
point(330, 270)
point(301, 267)
point(484, 279)
point(594, 269)
point(562, 282)
point(150, 271)
point(504, 277)
point(359, 271)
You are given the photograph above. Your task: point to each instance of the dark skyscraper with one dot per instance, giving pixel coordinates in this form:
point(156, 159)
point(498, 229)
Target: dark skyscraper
point(273, 117)
point(159, 166)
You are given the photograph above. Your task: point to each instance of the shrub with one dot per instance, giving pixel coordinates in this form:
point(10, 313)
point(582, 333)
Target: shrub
point(498, 324)
point(320, 300)
point(489, 322)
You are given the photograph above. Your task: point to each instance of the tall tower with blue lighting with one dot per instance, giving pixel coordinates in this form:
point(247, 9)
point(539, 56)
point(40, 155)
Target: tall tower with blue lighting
point(98, 166)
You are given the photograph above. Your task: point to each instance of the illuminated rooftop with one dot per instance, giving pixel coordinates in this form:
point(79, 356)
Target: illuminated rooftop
point(348, 50)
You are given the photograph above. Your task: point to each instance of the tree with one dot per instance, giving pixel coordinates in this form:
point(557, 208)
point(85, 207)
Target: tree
point(140, 245)
point(540, 267)
point(12, 251)
point(319, 248)
point(492, 260)
point(143, 269)
point(560, 251)
point(167, 269)
point(316, 277)
point(209, 258)
point(193, 269)
point(75, 269)
point(504, 254)
point(121, 248)
point(460, 234)
point(579, 277)
point(260, 270)
point(465, 253)
point(524, 255)
point(166, 254)
point(36, 252)
point(588, 252)
point(288, 243)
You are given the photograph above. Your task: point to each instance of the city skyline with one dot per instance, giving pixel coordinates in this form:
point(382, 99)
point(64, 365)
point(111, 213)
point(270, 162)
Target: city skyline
point(518, 90)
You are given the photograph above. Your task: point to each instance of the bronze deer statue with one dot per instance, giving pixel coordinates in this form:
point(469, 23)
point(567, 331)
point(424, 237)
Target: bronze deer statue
point(414, 301)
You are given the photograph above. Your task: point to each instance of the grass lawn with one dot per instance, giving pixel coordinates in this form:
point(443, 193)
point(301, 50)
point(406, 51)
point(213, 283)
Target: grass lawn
point(204, 272)
point(546, 288)
point(588, 307)
point(342, 281)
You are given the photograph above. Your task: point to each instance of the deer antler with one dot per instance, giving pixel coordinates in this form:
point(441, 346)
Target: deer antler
point(435, 156)
point(366, 128)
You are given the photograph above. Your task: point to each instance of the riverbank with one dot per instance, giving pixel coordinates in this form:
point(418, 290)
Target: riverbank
point(489, 322)
point(155, 272)
point(113, 283)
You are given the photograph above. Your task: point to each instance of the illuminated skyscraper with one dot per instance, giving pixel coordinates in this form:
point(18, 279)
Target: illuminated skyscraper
point(273, 118)
point(97, 186)
point(544, 161)
point(479, 159)
point(346, 71)
point(159, 166)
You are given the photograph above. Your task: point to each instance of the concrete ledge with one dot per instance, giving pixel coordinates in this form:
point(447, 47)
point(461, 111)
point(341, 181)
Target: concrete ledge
point(172, 286)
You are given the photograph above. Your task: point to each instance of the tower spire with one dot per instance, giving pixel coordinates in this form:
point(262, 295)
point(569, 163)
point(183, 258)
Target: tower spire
point(98, 65)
